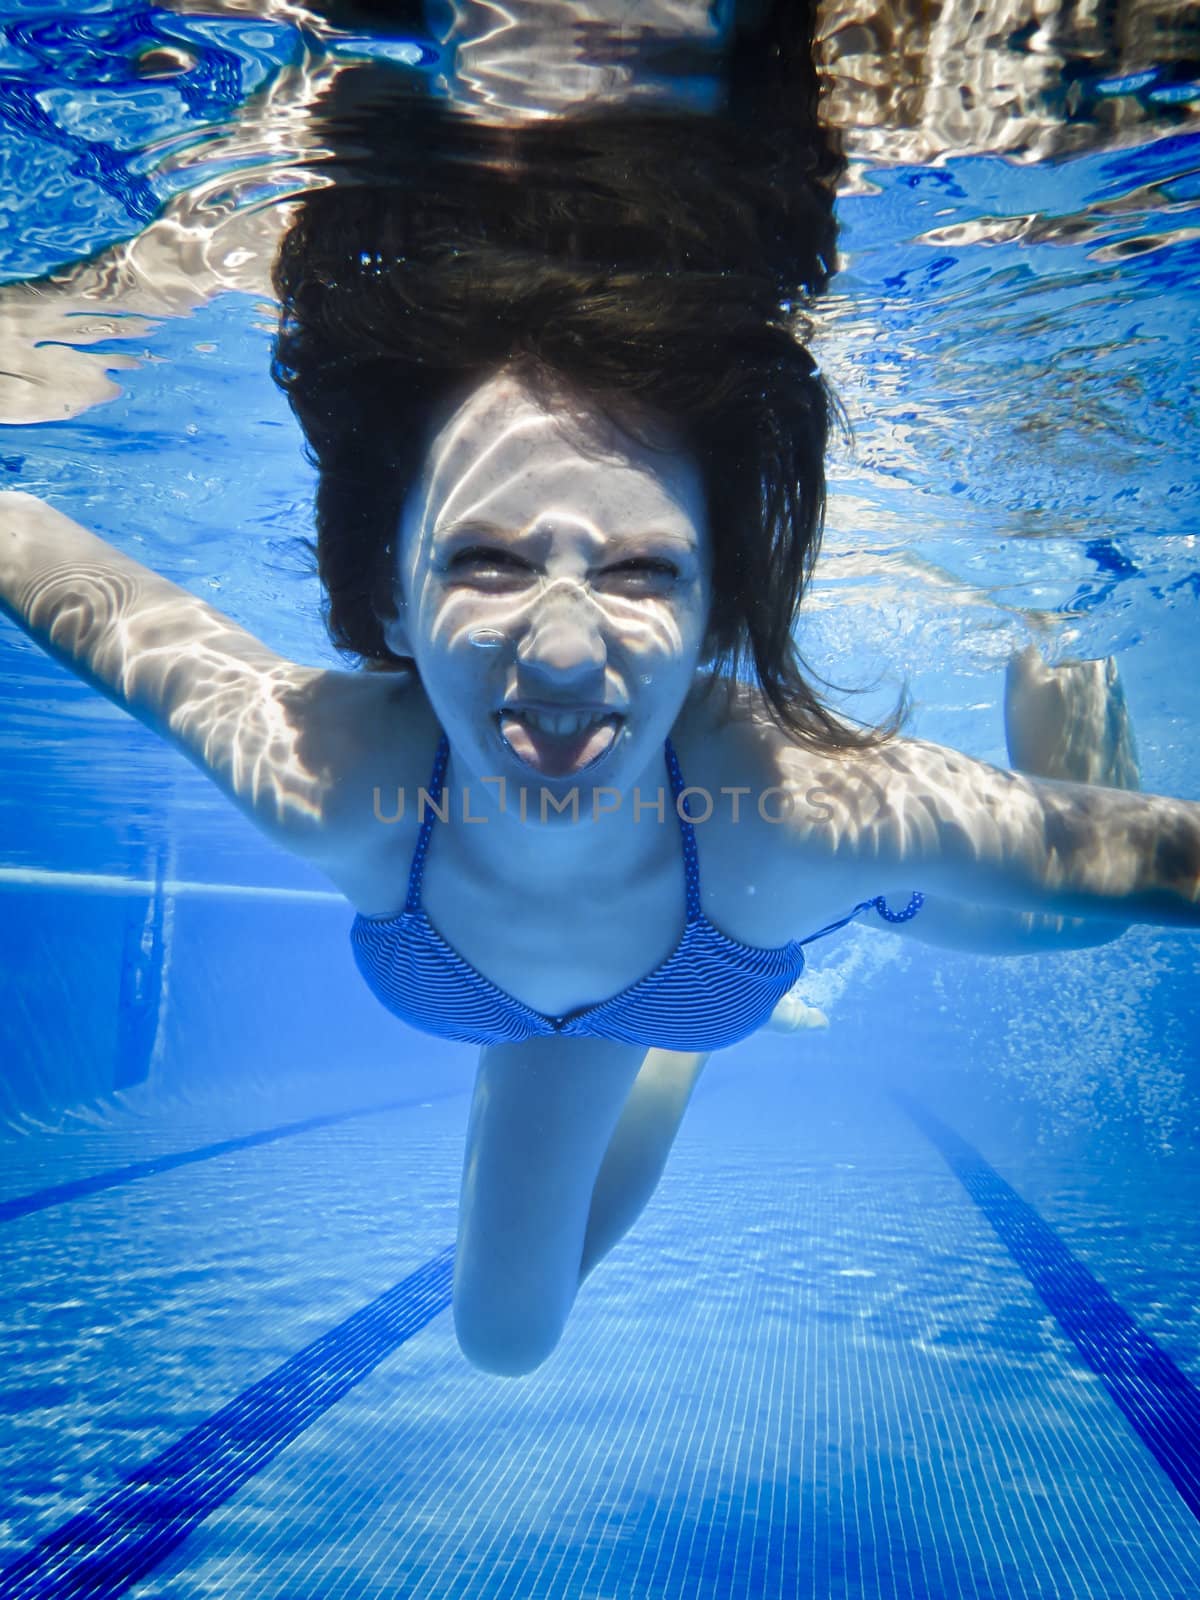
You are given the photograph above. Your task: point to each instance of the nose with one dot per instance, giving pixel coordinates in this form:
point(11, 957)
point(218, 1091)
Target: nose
point(563, 644)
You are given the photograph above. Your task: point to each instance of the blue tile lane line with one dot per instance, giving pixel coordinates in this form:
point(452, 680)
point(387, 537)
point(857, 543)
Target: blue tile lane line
point(104, 1550)
point(1159, 1401)
point(57, 1194)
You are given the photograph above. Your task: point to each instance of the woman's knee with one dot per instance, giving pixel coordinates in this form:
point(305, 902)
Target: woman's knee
point(504, 1339)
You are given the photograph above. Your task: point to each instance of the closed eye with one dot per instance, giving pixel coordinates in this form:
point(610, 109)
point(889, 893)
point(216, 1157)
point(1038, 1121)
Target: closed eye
point(477, 553)
point(648, 565)
point(488, 567)
point(644, 568)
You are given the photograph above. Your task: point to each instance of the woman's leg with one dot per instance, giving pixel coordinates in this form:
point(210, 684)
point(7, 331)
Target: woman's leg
point(638, 1149)
point(542, 1116)
point(566, 1142)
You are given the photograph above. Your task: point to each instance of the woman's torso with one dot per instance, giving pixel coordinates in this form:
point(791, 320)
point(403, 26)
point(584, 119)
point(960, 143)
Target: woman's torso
point(558, 953)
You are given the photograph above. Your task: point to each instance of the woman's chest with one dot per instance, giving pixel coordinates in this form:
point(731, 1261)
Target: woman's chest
point(558, 951)
point(567, 947)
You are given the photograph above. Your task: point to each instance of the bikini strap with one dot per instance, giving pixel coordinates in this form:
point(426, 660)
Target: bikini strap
point(691, 861)
point(413, 903)
point(880, 904)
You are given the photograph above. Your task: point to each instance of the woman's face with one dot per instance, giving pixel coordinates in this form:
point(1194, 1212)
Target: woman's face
point(554, 588)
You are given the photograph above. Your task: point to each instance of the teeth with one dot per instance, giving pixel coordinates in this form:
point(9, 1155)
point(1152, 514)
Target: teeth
point(561, 722)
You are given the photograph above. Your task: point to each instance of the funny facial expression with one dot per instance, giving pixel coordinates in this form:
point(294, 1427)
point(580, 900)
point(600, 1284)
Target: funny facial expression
point(553, 587)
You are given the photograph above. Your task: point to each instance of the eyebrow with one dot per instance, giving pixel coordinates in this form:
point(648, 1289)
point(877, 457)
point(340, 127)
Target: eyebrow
point(469, 528)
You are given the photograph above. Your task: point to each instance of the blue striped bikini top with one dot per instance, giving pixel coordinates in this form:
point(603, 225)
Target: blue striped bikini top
point(711, 992)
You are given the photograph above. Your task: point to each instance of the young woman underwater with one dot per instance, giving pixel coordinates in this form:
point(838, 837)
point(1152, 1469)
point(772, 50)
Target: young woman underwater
point(567, 506)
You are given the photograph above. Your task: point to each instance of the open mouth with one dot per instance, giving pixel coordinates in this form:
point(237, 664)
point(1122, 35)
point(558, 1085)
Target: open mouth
point(559, 744)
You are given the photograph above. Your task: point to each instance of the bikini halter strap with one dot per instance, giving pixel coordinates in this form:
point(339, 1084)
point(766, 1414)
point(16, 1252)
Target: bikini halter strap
point(434, 808)
point(413, 902)
point(691, 861)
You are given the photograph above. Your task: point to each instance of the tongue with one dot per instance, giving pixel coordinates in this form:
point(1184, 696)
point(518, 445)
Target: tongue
point(557, 755)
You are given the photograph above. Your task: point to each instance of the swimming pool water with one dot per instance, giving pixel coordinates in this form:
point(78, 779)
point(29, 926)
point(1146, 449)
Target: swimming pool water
point(914, 1310)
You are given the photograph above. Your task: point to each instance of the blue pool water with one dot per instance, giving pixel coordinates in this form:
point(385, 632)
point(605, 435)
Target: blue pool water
point(914, 1310)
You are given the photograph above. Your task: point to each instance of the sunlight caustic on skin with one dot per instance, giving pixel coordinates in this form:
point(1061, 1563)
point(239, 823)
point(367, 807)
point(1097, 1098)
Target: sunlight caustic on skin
point(1069, 721)
point(576, 552)
point(229, 701)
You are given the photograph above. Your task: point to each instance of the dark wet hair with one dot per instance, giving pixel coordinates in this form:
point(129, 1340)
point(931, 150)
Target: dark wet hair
point(657, 261)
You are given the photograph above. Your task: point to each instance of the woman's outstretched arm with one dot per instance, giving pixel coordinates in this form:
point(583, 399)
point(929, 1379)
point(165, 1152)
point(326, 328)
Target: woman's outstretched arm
point(915, 814)
point(1068, 721)
point(998, 931)
point(910, 814)
point(272, 734)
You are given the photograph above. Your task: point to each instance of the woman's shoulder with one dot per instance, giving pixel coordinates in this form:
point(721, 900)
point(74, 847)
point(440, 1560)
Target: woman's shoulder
point(742, 767)
point(792, 814)
point(730, 723)
point(369, 735)
point(764, 881)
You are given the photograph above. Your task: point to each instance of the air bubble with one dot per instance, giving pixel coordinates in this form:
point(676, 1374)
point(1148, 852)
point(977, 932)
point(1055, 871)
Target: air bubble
point(485, 638)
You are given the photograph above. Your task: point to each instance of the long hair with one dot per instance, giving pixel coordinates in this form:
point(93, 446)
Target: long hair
point(660, 261)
